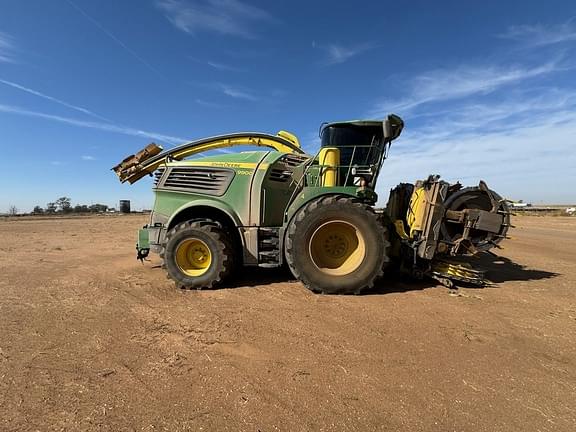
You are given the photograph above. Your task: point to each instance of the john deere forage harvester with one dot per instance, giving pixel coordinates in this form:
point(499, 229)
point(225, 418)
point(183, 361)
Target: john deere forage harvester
point(315, 213)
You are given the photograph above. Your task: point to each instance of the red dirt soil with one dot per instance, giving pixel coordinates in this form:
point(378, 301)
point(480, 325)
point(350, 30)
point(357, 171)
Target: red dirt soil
point(90, 339)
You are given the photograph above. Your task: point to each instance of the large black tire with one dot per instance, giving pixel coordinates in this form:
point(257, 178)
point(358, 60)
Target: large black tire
point(185, 255)
point(336, 245)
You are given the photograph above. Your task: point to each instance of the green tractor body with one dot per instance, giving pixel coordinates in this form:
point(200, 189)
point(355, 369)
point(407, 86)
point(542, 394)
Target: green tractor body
point(267, 208)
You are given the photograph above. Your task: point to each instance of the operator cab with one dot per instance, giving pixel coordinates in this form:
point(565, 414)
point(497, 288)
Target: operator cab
point(361, 147)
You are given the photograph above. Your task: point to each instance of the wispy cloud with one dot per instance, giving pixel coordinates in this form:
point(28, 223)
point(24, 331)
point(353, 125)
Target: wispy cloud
point(460, 82)
point(511, 122)
point(208, 104)
point(7, 48)
point(53, 99)
point(223, 67)
point(238, 92)
point(228, 17)
point(88, 158)
point(518, 110)
point(524, 137)
point(528, 150)
point(93, 125)
point(113, 37)
point(540, 34)
point(336, 53)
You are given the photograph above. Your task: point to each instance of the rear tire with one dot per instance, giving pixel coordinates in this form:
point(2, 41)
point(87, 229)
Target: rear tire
point(336, 245)
point(197, 254)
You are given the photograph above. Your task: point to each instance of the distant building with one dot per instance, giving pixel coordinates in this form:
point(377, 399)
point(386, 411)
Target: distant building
point(519, 204)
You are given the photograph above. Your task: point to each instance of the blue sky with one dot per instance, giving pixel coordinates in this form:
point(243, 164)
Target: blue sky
point(487, 89)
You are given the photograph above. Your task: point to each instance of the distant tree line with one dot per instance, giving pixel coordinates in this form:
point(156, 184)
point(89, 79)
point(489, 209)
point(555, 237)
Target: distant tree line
point(64, 205)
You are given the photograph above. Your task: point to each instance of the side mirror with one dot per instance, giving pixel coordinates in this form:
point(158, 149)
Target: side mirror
point(387, 130)
point(392, 127)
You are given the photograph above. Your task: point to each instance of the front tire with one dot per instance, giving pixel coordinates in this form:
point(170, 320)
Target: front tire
point(197, 254)
point(336, 245)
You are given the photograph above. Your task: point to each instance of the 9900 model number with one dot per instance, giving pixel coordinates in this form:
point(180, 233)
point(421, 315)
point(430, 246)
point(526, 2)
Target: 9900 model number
point(244, 172)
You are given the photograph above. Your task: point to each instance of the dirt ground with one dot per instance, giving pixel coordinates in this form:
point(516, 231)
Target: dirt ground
point(90, 339)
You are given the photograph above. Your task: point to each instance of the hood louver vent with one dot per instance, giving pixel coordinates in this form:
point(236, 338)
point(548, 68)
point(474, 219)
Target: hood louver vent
point(284, 167)
point(280, 175)
point(209, 181)
point(158, 175)
point(293, 160)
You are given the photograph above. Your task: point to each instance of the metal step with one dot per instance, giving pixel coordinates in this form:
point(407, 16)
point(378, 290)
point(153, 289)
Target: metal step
point(268, 247)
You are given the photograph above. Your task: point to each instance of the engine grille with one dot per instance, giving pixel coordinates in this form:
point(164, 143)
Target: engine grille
point(209, 181)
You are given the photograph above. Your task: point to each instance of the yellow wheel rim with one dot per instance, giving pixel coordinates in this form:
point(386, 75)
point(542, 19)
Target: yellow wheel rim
point(193, 257)
point(337, 248)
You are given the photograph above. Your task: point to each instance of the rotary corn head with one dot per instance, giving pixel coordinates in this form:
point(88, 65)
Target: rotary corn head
point(436, 224)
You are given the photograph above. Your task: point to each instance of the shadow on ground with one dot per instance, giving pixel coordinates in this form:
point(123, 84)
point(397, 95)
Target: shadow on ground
point(498, 270)
point(501, 269)
point(254, 276)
